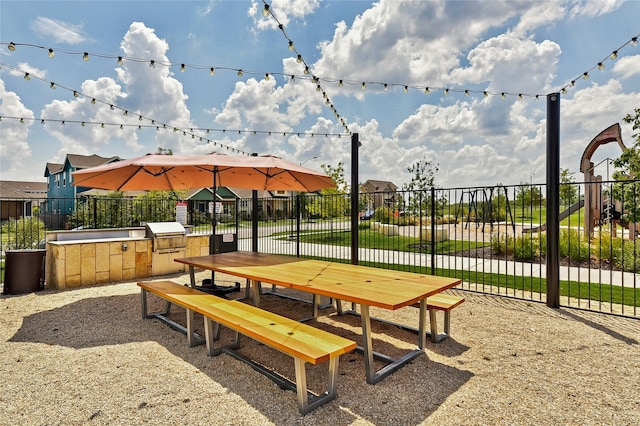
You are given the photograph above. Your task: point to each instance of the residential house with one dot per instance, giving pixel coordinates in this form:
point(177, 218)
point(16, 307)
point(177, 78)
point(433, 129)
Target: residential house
point(20, 198)
point(61, 192)
point(273, 205)
point(378, 193)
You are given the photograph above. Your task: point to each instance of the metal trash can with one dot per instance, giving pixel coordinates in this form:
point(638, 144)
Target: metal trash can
point(23, 271)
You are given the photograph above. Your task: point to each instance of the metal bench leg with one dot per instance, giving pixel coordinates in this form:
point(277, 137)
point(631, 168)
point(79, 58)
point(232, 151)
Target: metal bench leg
point(447, 323)
point(307, 402)
point(435, 337)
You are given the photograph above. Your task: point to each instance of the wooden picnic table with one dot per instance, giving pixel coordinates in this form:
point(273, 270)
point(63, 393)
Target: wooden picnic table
point(362, 285)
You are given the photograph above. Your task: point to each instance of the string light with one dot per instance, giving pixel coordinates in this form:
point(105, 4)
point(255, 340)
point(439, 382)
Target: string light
point(27, 76)
point(51, 53)
point(212, 71)
point(85, 56)
point(52, 86)
point(152, 63)
point(120, 61)
point(239, 73)
point(183, 68)
point(600, 66)
point(75, 94)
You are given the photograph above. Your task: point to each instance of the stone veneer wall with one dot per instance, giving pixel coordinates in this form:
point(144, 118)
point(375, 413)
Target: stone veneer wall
point(71, 264)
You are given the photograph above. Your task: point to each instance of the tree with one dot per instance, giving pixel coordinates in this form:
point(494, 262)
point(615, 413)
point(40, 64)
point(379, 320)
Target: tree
point(332, 202)
point(423, 178)
point(568, 189)
point(628, 172)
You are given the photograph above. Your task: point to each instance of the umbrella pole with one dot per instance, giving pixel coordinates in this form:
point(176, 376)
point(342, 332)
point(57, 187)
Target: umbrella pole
point(212, 242)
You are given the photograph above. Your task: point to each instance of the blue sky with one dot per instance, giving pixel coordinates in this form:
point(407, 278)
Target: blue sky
point(533, 48)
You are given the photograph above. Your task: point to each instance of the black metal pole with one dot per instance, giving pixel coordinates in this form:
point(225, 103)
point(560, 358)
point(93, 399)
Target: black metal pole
point(355, 145)
point(298, 223)
point(254, 217)
point(553, 200)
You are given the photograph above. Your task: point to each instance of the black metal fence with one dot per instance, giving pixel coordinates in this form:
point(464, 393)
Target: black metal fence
point(491, 237)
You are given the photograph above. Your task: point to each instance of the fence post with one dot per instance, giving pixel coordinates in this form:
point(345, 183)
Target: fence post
point(553, 200)
point(254, 217)
point(355, 144)
point(433, 230)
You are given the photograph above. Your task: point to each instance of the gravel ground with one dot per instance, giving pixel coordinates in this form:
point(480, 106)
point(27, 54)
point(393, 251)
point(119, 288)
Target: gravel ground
point(86, 356)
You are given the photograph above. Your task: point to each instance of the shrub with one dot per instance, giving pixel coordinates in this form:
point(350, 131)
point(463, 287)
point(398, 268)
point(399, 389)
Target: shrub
point(502, 244)
point(526, 248)
point(572, 246)
point(23, 233)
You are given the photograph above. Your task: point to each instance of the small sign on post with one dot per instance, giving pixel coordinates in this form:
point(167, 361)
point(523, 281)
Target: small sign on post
point(181, 212)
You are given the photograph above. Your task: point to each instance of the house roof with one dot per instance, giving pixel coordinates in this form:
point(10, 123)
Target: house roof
point(77, 162)
point(22, 189)
point(84, 161)
point(380, 185)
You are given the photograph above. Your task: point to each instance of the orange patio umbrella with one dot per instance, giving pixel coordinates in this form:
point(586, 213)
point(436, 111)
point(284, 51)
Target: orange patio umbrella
point(175, 172)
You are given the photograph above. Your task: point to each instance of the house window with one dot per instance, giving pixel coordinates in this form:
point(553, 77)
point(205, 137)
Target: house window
point(58, 180)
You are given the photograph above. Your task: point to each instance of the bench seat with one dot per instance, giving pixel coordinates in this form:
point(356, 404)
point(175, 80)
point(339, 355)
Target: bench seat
point(306, 344)
point(441, 302)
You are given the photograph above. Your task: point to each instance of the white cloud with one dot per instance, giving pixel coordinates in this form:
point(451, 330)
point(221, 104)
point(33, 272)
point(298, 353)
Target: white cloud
point(24, 67)
point(594, 8)
point(58, 31)
point(511, 64)
point(628, 66)
point(411, 42)
point(283, 10)
point(15, 151)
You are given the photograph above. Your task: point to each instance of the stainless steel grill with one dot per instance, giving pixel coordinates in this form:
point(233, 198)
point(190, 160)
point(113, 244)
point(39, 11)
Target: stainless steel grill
point(168, 242)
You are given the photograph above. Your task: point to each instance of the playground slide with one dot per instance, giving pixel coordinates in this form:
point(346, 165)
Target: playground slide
point(563, 215)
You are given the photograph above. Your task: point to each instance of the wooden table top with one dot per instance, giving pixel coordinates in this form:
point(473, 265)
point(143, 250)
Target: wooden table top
point(382, 288)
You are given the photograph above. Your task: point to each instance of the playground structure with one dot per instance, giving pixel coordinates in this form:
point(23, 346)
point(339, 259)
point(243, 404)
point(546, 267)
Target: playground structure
point(487, 214)
point(599, 211)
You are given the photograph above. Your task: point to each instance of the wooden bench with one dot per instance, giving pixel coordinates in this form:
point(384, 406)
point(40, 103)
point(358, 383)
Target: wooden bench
point(441, 302)
point(306, 344)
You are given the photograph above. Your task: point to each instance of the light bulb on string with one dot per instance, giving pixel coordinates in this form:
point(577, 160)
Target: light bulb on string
point(212, 71)
point(585, 75)
point(634, 41)
point(446, 91)
point(306, 69)
point(406, 89)
point(126, 113)
point(93, 101)
point(364, 85)
point(83, 125)
point(503, 95)
point(11, 47)
point(183, 68)
point(266, 76)
point(120, 61)
point(152, 64)
point(519, 96)
point(111, 107)
point(340, 83)
point(52, 86)
point(466, 92)
point(485, 94)
point(427, 90)
point(600, 66)
point(27, 76)
point(291, 46)
point(75, 94)
point(51, 53)
point(299, 59)
point(386, 87)
point(614, 54)
point(240, 73)
point(265, 11)
point(22, 121)
point(102, 125)
point(85, 56)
